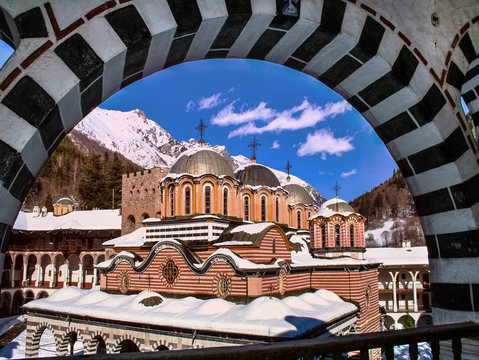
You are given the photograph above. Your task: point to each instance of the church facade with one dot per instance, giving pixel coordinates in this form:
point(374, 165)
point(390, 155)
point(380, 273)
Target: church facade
point(239, 236)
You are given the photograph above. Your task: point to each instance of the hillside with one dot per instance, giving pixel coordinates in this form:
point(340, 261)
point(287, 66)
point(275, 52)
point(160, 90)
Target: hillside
point(391, 214)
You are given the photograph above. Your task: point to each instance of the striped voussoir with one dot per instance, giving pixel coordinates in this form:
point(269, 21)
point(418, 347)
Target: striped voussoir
point(369, 56)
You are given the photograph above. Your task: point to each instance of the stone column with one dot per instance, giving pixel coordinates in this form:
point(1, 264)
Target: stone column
point(414, 275)
point(12, 275)
point(81, 276)
point(394, 275)
point(67, 277)
point(52, 279)
point(25, 270)
point(38, 270)
point(95, 276)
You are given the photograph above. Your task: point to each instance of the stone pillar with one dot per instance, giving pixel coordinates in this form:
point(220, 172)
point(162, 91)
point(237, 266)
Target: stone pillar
point(54, 273)
point(394, 275)
point(414, 275)
point(67, 277)
point(25, 270)
point(12, 274)
point(81, 276)
point(38, 270)
point(95, 276)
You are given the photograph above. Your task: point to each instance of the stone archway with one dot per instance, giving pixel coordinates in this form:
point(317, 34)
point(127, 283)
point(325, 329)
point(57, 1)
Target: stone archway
point(388, 65)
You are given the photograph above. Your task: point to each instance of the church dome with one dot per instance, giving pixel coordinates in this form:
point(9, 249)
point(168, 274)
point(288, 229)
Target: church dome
point(337, 205)
point(257, 175)
point(297, 194)
point(202, 162)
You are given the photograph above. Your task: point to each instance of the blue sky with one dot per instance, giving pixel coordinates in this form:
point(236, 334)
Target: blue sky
point(294, 117)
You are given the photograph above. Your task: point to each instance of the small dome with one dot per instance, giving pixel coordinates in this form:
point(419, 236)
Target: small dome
point(202, 162)
point(257, 175)
point(337, 205)
point(297, 194)
point(64, 201)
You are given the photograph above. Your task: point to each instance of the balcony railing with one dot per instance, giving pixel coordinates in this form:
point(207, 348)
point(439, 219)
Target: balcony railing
point(331, 347)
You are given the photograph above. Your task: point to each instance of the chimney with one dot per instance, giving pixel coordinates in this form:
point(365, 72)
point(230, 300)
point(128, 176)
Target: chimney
point(44, 211)
point(36, 211)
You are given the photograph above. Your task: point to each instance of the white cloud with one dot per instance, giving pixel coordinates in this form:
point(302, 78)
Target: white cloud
point(210, 102)
point(323, 142)
point(228, 116)
point(190, 105)
point(348, 173)
point(275, 145)
point(302, 116)
point(205, 103)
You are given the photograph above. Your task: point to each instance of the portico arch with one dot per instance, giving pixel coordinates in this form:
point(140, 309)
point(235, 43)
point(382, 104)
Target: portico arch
point(390, 67)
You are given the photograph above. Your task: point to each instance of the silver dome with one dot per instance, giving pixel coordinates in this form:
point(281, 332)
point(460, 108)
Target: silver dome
point(297, 194)
point(257, 175)
point(202, 162)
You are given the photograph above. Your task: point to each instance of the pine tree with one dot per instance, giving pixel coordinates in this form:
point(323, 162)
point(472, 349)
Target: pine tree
point(115, 171)
point(92, 187)
point(48, 203)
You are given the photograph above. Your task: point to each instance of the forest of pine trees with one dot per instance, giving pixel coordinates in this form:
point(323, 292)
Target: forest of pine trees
point(91, 179)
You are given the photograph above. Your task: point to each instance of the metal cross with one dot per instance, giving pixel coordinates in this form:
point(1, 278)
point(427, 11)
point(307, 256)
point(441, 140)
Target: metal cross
point(288, 167)
point(253, 146)
point(336, 188)
point(201, 128)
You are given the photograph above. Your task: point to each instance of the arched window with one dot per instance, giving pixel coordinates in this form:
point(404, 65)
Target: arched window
point(337, 236)
point(246, 208)
point(225, 201)
point(171, 190)
point(187, 201)
point(298, 217)
point(207, 200)
point(323, 236)
point(277, 209)
point(263, 208)
point(351, 234)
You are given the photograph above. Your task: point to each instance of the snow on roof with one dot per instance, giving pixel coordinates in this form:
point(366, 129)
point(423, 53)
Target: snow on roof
point(262, 317)
point(417, 255)
point(75, 220)
point(328, 209)
point(255, 228)
point(243, 264)
point(133, 239)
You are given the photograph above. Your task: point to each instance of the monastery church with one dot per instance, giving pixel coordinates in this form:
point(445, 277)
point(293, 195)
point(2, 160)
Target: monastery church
point(208, 232)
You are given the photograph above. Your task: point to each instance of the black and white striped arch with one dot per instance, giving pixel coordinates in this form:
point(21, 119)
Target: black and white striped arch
point(83, 58)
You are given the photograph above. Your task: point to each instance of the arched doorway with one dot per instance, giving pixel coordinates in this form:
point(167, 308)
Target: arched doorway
point(42, 295)
point(32, 273)
point(100, 345)
point(59, 271)
point(7, 271)
point(373, 56)
point(127, 346)
point(18, 271)
point(74, 271)
point(88, 271)
point(17, 302)
point(5, 303)
point(29, 296)
point(45, 270)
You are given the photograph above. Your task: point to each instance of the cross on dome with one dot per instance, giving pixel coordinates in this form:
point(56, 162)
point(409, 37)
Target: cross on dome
point(253, 145)
point(201, 128)
point(288, 167)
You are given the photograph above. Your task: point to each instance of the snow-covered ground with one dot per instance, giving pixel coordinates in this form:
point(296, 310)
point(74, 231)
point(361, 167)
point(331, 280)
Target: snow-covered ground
point(8, 322)
point(16, 349)
point(376, 233)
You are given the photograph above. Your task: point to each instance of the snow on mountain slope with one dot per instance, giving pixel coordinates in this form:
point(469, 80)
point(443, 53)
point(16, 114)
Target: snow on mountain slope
point(148, 145)
point(130, 134)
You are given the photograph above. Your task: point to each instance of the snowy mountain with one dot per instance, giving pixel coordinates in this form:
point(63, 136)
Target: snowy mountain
point(148, 145)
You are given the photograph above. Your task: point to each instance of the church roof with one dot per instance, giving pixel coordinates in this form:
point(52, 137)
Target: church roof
point(202, 162)
point(297, 194)
point(333, 207)
point(248, 234)
point(257, 175)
